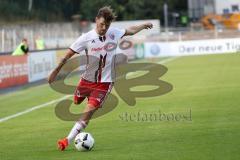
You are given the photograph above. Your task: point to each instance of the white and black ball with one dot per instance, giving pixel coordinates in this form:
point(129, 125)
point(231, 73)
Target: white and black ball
point(84, 141)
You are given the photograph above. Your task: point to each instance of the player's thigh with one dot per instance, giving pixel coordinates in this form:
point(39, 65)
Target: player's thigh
point(99, 95)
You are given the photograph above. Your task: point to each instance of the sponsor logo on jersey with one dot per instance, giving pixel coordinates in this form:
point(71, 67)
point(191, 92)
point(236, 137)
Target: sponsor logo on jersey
point(107, 47)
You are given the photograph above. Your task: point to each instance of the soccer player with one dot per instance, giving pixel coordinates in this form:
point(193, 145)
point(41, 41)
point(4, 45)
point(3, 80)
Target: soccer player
point(96, 82)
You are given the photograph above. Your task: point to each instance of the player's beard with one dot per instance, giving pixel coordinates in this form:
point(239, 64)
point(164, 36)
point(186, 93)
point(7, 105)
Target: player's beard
point(103, 32)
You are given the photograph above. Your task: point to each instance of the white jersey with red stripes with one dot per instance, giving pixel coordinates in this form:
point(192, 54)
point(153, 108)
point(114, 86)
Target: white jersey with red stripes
point(100, 52)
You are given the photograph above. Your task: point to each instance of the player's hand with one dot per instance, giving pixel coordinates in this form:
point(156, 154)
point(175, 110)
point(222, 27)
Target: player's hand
point(52, 76)
point(148, 25)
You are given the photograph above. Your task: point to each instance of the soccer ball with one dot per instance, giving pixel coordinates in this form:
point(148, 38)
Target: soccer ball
point(84, 141)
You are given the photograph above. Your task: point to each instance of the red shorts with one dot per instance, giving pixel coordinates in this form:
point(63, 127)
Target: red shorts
point(96, 93)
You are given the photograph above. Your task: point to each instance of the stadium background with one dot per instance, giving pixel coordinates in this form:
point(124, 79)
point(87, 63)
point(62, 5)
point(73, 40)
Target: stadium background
point(200, 115)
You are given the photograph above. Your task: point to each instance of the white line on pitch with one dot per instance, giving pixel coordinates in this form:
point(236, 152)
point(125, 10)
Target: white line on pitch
point(33, 108)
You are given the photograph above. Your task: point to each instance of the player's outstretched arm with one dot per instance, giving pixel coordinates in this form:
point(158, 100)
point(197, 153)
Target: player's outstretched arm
point(135, 29)
point(54, 73)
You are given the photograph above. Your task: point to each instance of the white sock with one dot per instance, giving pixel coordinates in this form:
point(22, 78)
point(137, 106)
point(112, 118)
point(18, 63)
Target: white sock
point(77, 128)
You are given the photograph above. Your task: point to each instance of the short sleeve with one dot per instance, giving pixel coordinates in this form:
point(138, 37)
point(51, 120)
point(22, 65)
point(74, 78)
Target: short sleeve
point(79, 45)
point(119, 32)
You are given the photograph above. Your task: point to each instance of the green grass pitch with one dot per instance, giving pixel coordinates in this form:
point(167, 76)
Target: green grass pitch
point(208, 86)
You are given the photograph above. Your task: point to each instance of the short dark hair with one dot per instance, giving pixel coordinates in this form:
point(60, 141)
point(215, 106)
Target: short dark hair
point(107, 13)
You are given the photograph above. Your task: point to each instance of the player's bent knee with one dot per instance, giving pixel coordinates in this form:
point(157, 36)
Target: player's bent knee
point(94, 104)
point(78, 100)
